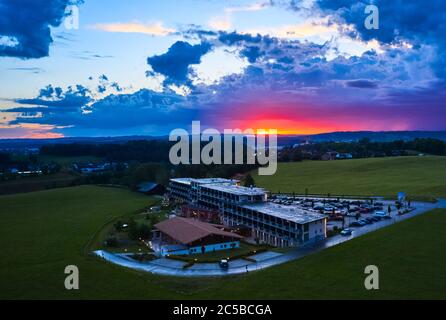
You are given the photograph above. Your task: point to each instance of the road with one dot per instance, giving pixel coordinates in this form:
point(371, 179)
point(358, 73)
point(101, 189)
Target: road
point(171, 267)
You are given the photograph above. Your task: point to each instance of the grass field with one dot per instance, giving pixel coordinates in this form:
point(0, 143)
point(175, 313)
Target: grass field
point(42, 232)
point(421, 177)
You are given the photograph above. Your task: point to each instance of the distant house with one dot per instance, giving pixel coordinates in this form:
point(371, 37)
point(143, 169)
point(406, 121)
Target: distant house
point(330, 155)
point(183, 236)
point(151, 188)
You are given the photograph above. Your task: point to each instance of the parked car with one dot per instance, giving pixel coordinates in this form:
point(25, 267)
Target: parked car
point(355, 224)
point(375, 219)
point(224, 264)
point(382, 215)
point(363, 222)
point(346, 232)
point(369, 220)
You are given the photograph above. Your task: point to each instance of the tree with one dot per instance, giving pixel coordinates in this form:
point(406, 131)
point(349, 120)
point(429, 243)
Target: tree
point(249, 181)
point(133, 230)
point(144, 231)
point(111, 242)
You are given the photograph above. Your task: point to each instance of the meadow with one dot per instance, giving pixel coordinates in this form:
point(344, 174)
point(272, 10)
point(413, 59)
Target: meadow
point(42, 232)
point(420, 177)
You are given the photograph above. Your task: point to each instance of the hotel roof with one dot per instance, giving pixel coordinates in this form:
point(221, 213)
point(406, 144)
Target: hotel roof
point(186, 230)
point(204, 180)
point(235, 189)
point(290, 213)
point(182, 180)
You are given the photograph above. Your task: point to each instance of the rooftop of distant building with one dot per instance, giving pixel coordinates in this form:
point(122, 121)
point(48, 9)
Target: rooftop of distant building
point(235, 189)
point(291, 213)
point(203, 180)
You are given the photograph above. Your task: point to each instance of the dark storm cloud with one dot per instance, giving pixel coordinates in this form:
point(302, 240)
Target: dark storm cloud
point(53, 99)
point(27, 23)
point(365, 84)
point(420, 22)
point(175, 63)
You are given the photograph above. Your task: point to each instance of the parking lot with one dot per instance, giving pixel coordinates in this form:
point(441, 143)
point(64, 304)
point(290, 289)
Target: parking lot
point(347, 213)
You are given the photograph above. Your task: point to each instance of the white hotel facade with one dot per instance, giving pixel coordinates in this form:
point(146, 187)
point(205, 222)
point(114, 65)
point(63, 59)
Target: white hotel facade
point(274, 224)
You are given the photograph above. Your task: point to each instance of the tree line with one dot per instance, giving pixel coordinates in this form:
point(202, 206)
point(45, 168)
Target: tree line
point(364, 148)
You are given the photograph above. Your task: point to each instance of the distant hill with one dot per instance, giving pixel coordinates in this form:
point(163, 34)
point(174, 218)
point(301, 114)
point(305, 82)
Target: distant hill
point(36, 143)
point(347, 136)
point(350, 136)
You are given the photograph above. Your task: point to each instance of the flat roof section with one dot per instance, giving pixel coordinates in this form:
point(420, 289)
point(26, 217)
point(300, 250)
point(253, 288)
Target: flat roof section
point(290, 213)
point(188, 181)
point(182, 180)
point(238, 190)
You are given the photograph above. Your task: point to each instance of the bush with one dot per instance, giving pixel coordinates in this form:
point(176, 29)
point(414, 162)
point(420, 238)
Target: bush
point(111, 242)
point(144, 231)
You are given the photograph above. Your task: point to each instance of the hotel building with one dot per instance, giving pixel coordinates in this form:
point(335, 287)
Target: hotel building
point(248, 207)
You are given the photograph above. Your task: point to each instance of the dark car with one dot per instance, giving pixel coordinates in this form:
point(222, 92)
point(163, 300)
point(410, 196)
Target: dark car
point(224, 264)
point(369, 220)
point(346, 232)
point(387, 217)
point(363, 222)
point(355, 224)
point(375, 219)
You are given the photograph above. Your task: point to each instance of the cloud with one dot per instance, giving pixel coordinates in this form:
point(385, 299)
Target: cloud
point(34, 70)
point(249, 8)
point(175, 63)
point(252, 53)
point(419, 23)
point(221, 23)
point(153, 29)
point(54, 99)
point(366, 84)
point(27, 25)
point(281, 81)
point(303, 30)
point(224, 22)
point(89, 55)
point(75, 112)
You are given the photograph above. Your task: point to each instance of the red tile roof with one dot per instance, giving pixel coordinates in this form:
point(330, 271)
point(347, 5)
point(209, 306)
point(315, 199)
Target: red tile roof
point(186, 230)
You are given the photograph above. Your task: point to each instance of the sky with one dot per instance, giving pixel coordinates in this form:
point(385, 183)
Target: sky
point(116, 68)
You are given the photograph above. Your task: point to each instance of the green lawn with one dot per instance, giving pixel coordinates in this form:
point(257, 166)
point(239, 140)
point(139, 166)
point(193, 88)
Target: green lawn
point(410, 256)
point(42, 232)
point(417, 176)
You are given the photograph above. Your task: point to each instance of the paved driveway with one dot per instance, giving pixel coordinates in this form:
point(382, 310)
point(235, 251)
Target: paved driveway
point(264, 260)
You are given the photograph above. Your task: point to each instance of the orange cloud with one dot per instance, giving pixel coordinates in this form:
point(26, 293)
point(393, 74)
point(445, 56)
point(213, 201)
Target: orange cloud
point(154, 29)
